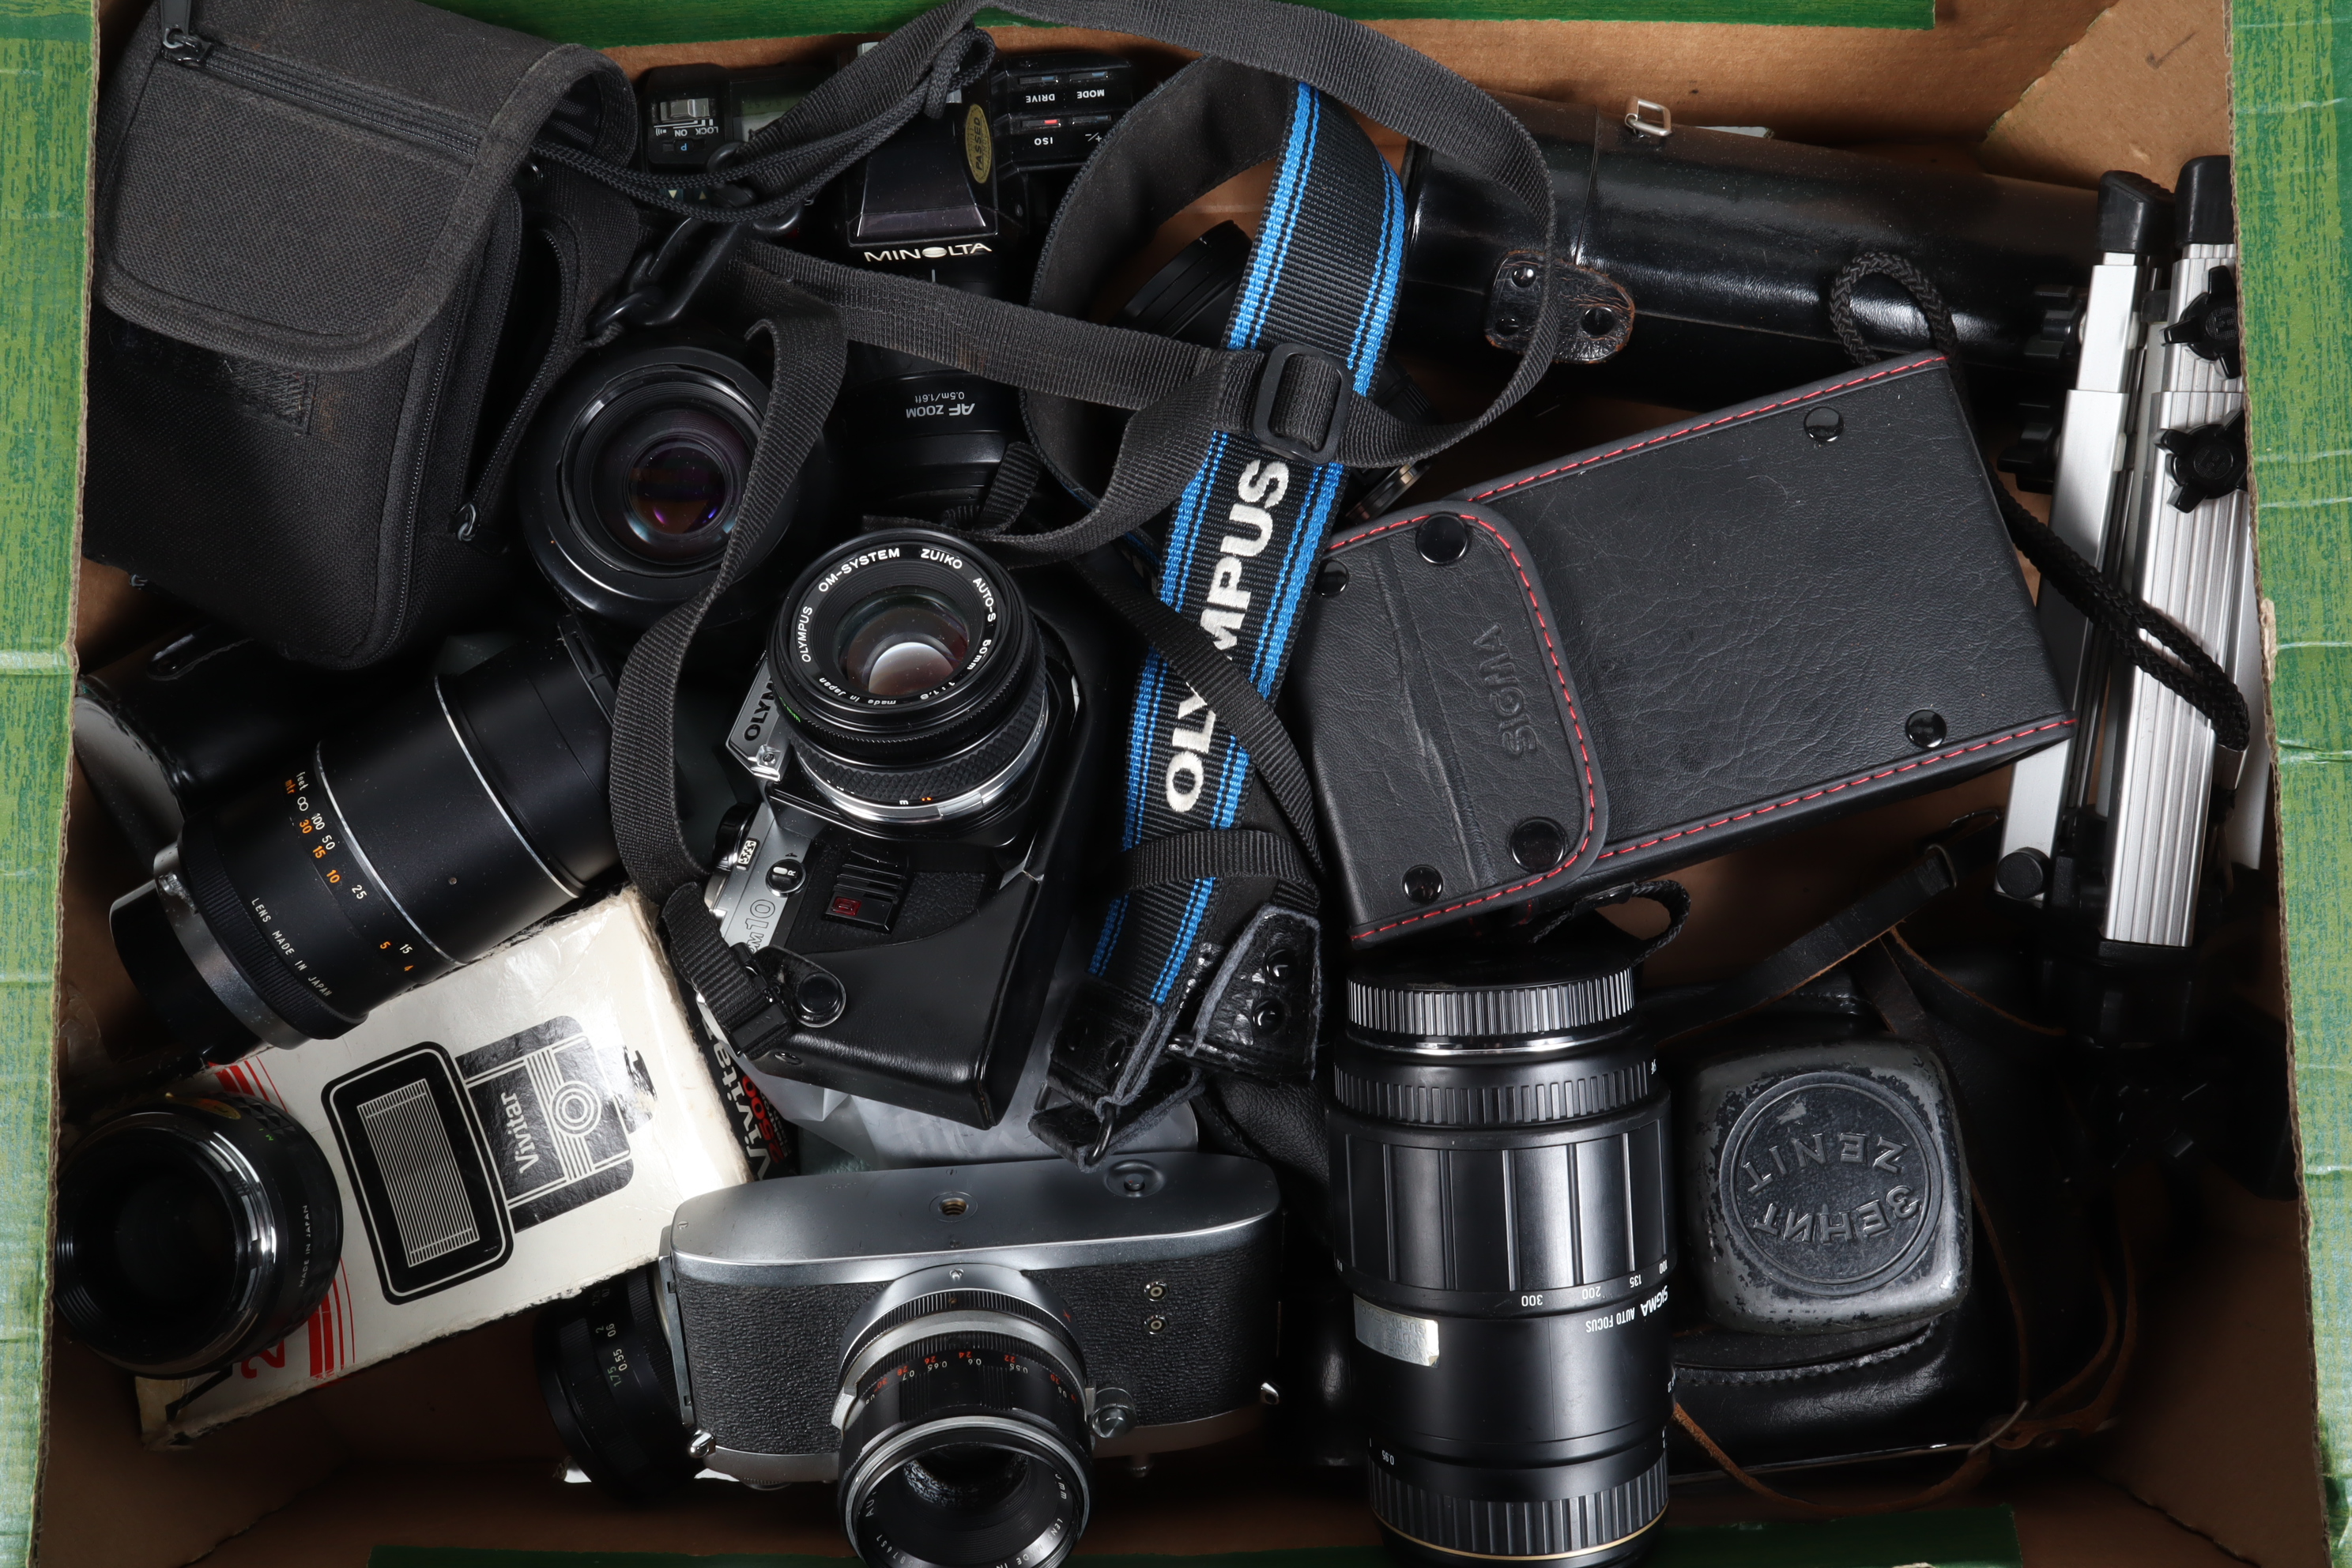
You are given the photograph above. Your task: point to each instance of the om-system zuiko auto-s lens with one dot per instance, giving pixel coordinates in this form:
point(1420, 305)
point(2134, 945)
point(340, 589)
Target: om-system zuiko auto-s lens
point(1499, 1168)
point(914, 678)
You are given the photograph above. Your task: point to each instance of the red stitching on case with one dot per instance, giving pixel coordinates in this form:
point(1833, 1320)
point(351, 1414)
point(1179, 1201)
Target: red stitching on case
point(1831, 789)
point(1338, 544)
point(1575, 719)
point(1854, 783)
point(1709, 424)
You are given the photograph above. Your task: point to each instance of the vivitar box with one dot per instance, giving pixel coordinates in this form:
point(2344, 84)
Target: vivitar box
point(512, 1132)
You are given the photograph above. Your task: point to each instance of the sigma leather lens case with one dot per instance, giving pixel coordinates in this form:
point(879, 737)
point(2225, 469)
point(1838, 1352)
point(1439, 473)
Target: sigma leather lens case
point(1649, 653)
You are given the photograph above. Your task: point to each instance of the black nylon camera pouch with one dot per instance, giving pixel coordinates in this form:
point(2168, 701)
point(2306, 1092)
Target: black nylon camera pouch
point(308, 228)
point(1642, 655)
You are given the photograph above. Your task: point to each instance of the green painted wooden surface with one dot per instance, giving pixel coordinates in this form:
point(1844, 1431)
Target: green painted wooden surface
point(47, 48)
point(1958, 1538)
point(2293, 64)
point(606, 23)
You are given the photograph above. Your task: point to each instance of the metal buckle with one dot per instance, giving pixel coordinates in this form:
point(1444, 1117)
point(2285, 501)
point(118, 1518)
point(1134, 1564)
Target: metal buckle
point(1662, 127)
point(1269, 391)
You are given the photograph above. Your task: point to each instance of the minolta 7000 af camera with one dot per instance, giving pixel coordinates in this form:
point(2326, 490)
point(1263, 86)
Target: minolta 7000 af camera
point(953, 1344)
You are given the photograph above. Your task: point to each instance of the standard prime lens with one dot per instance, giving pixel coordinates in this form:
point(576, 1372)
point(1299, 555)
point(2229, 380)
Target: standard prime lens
point(1499, 1185)
point(611, 1385)
point(913, 678)
point(963, 1437)
point(413, 842)
point(194, 1233)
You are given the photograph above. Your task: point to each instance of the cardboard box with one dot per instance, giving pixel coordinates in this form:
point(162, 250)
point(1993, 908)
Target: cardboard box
point(2218, 1450)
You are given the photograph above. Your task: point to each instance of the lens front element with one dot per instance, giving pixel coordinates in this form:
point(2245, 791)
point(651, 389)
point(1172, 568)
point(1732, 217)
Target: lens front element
point(899, 643)
point(665, 486)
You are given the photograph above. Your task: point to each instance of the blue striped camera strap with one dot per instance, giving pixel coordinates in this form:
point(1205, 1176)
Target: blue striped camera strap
point(1240, 548)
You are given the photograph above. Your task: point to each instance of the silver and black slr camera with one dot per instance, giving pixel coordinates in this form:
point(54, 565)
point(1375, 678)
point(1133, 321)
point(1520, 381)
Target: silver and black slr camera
point(953, 1345)
point(930, 740)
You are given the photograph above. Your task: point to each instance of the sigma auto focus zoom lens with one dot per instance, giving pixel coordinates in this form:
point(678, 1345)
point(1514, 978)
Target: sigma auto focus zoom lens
point(1499, 1187)
point(963, 1424)
point(913, 678)
point(414, 841)
point(194, 1233)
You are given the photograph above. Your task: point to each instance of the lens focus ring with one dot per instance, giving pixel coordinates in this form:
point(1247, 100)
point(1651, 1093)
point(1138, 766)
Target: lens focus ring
point(1540, 1527)
point(1389, 1090)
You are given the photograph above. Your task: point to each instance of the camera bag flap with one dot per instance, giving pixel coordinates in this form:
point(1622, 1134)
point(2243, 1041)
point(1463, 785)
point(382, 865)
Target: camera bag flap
point(308, 183)
point(311, 222)
point(1739, 624)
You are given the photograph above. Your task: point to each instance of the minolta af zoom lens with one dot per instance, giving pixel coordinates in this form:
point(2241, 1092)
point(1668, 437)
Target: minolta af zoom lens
point(414, 841)
point(633, 477)
point(1499, 1167)
point(913, 676)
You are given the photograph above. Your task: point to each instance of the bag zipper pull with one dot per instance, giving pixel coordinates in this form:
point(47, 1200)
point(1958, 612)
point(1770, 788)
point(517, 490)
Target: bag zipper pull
point(180, 44)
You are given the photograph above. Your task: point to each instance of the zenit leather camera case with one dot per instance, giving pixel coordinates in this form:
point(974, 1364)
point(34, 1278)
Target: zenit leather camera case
point(1645, 654)
point(308, 228)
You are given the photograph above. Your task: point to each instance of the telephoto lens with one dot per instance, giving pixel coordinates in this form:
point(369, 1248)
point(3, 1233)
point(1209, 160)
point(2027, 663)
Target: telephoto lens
point(183, 722)
point(193, 1233)
point(611, 1384)
point(634, 476)
point(1499, 1171)
point(401, 847)
point(913, 678)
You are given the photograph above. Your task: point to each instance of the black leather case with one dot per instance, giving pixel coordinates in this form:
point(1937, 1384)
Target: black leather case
point(1645, 654)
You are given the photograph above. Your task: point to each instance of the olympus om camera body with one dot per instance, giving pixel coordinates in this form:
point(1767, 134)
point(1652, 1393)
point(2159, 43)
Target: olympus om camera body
point(953, 1344)
point(931, 741)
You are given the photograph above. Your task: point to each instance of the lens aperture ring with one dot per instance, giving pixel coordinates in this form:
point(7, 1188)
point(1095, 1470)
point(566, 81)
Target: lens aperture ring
point(1578, 1525)
point(960, 1301)
point(972, 779)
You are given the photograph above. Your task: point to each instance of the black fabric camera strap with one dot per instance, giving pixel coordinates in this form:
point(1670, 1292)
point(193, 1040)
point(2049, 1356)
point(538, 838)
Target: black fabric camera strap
point(810, 353)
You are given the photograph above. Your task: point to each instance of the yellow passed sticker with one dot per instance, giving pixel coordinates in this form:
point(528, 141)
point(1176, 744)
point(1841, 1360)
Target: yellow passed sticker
point(978, 146)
